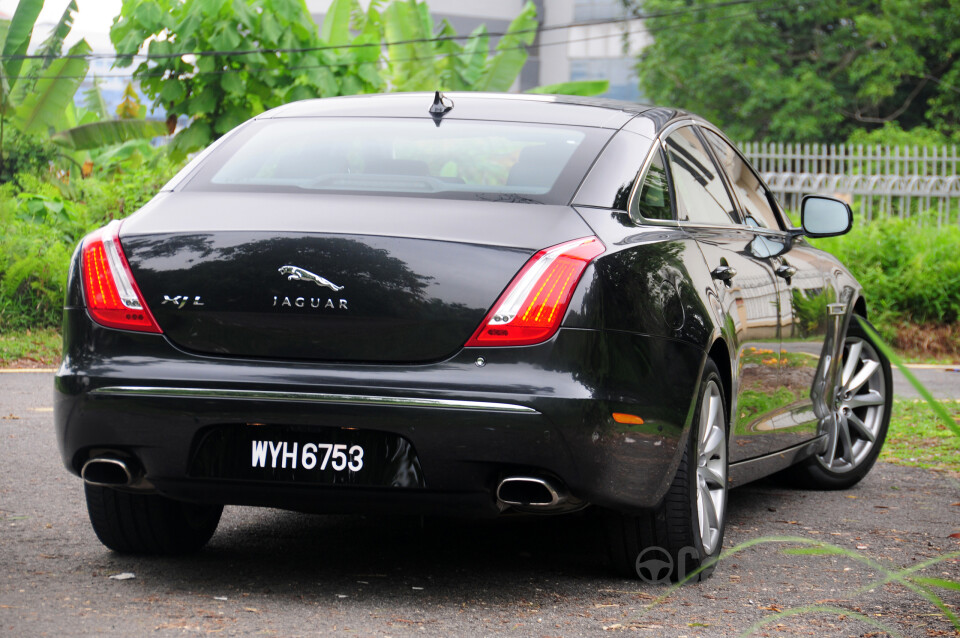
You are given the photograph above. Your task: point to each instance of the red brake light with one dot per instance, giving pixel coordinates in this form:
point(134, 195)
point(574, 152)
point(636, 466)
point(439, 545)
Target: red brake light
point(111, 294)
point(531, 308)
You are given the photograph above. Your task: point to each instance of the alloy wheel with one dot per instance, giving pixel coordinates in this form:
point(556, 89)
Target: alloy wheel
point(711, 468)
point(861, 402)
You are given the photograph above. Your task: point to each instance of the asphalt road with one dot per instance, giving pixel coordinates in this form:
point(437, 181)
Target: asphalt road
point(278, 573)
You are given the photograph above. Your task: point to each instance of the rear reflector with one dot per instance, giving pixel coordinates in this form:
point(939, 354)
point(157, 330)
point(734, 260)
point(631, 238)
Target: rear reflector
point(111, 294)
point(531, 308)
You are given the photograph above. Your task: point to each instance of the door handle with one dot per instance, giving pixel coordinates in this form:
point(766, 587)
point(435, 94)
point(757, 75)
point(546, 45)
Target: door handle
point(723, 273)
point(786, 271)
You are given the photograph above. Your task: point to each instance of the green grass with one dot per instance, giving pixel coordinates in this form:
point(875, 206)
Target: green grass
point(918, 438)
point(35, 348)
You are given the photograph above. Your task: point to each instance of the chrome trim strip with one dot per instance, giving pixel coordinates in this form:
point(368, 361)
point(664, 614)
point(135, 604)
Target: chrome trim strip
point(312, 397)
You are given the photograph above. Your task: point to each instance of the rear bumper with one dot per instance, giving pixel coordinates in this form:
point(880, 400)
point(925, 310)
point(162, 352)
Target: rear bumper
point(543, 410)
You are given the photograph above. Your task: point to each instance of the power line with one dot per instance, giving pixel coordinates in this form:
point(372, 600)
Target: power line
point(455, 37)
point(163, 72)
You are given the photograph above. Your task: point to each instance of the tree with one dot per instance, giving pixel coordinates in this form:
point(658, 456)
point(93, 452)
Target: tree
point(36, 92)
point(220, 62)
point(806, 71)
point(252, 56)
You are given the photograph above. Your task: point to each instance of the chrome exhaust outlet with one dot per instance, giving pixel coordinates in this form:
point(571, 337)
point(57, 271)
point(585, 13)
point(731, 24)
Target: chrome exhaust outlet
point(107, 472)
point(530, 491)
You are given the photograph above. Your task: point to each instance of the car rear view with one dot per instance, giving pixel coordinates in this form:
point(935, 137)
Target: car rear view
point(335, 310)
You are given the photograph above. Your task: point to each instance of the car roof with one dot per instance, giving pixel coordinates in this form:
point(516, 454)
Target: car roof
point(507, 107)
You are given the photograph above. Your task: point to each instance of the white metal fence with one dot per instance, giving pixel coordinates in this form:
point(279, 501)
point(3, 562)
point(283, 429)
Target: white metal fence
point(883, 180)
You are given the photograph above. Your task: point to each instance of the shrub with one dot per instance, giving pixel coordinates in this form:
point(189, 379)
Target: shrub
point(41, 224)
point(909, 268)
point(24, 154)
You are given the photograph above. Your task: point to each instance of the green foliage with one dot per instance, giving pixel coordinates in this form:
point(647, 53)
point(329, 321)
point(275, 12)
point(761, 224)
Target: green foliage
point(909, 268)
point(806, 71)
point(890, 134)
point(42, 88)
point(16, 41)
point(43, 107)
point(501, 70)
point(50, 49)
point(810, 310)
point(921, 437)
point(93, 100)
point(581, 87)
point(108, 133)
point(40, 227)
point(221, 91)
point(30, 346)
point(25, 155)
point(38, 99)
point(446, 64)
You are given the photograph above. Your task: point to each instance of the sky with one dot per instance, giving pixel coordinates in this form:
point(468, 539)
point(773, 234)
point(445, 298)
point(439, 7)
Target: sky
point(91, 21)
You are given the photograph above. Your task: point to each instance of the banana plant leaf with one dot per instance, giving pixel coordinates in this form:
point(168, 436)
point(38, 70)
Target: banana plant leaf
point(108, 133)
point(43, 109)
point(336, 22)
point(93, 101)
point(50, 49)
point(18, 38)
point(53, 45)
point(511, 53)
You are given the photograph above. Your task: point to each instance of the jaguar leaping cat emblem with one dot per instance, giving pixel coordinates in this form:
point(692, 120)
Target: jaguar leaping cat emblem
point(296, 273)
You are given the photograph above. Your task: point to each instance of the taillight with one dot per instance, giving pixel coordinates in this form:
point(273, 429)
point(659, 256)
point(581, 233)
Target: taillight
point(531, 308)
point(111, 294)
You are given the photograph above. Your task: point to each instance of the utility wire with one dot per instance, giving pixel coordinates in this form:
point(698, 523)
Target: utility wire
point(195, 72)
point(328, 47)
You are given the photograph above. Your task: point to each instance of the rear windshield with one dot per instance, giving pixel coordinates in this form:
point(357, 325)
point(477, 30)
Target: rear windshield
point(460, 159)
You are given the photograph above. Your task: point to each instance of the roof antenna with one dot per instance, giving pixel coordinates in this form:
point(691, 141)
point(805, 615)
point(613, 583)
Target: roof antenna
point(438, 109)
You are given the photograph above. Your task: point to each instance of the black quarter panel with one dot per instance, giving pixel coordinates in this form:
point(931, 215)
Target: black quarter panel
point(651, 281)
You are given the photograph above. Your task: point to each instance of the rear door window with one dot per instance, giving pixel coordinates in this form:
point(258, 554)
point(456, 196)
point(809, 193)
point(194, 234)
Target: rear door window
point(702, 197)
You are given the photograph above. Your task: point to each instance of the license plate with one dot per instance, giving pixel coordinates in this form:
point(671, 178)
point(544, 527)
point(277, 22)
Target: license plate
point(299, 454)
point(339, 457)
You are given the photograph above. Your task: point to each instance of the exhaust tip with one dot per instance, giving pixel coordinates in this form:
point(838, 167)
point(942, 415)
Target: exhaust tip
point(528, 491)
point(106, 472)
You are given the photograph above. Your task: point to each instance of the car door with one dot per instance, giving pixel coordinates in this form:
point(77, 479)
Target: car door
point(803, 297)
point(743, 281)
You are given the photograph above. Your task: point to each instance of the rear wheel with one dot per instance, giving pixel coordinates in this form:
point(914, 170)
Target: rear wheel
point(861, 417)
point(686, 530)
point(132, 523)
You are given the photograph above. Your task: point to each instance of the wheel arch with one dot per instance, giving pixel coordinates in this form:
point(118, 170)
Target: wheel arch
point(860, 307)
point(720, 354)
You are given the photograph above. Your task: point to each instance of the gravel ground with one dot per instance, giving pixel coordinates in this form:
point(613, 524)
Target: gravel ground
point(287, 574)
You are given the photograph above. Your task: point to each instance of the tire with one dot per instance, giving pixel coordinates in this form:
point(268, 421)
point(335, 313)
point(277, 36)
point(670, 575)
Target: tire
point(863, 403)
point(680, 535)
point(132, 523)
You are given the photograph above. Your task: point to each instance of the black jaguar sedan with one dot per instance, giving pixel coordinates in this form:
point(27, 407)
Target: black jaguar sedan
point(465, 304)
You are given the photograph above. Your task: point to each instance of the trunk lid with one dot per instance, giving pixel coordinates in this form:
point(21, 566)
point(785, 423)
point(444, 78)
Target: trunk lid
point(331, 278)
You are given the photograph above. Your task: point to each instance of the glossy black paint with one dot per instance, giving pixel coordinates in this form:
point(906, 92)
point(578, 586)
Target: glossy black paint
point(399, 299)
point(574, 382)
point(420, 275)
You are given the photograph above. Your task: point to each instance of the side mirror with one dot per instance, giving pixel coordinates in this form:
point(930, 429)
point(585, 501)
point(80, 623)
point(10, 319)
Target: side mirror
point(823, 216)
